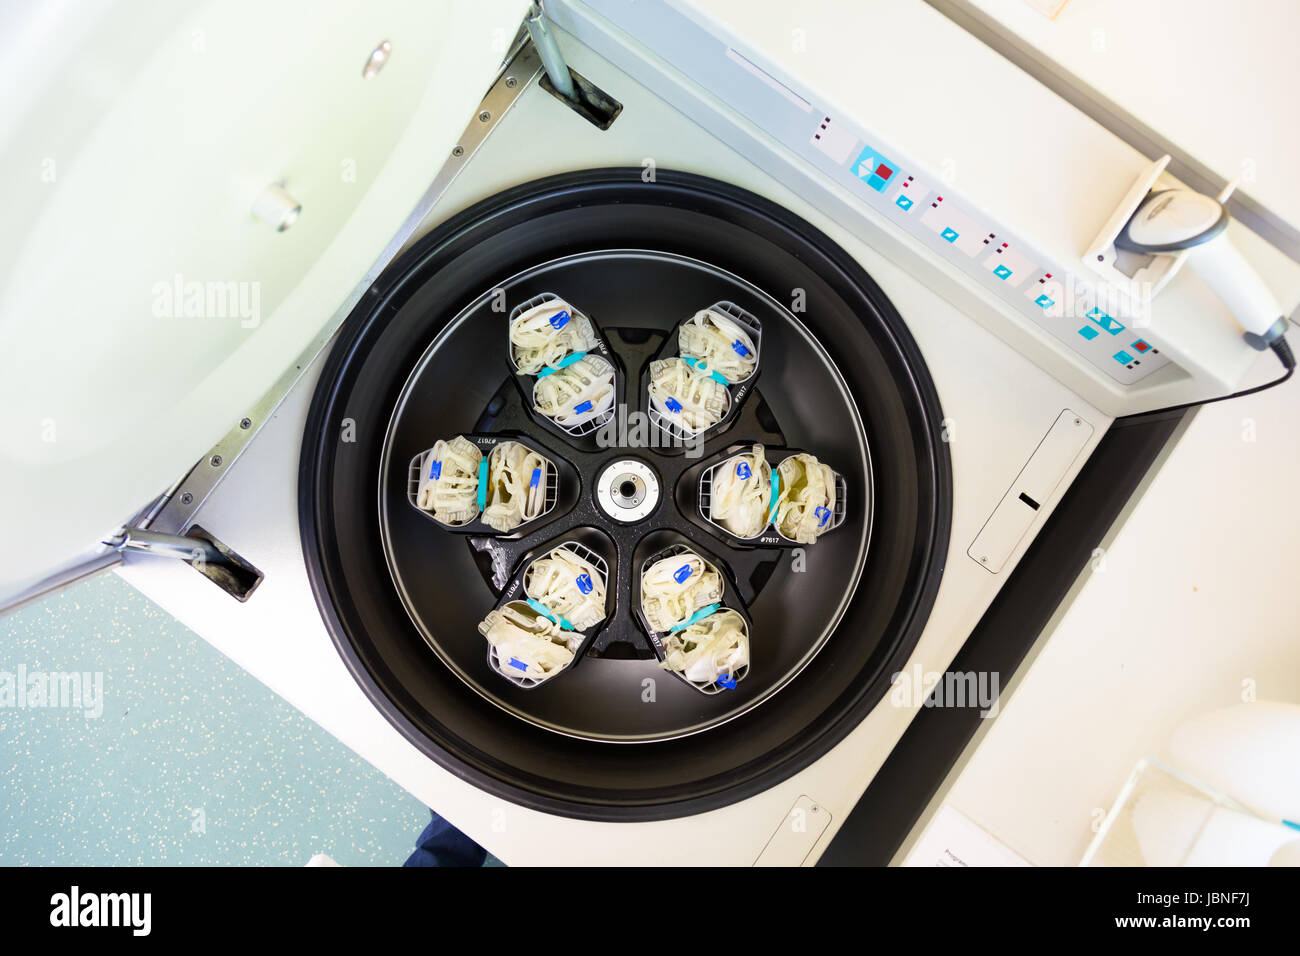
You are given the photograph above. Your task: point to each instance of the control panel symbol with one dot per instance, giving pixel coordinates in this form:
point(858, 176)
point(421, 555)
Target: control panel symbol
point(873, 169)
point(1107, 322)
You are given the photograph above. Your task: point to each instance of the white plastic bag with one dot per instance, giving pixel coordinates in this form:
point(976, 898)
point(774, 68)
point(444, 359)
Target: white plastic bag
point(674, 588)
point(710, 648)
point(720, 343)
point(516, 486)
point(449, 481)
point(686, 397)
point(546, 333)
point(528, 644)
point(576, 393)
point(741, 492)
point(806, 504)
point(569, 586)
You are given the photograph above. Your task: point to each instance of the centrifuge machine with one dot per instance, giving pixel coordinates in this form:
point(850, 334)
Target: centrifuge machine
point(270, 256)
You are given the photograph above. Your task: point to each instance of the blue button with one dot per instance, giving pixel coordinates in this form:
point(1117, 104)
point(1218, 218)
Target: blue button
point(1045, 301)
point(1108, 323)
point(582, 407)
point(682, 573)
point(903, 203)
point(739, 348)
point(1089, 333)
point(435, 470)
point(1002, 272)
point(673, 405)
point(1122, 357)
point(584, 583)
point(559, 320)
point(874, 169)
point(950, 234)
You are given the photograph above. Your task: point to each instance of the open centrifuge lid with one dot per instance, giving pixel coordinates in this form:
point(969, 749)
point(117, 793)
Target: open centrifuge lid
point(143, 306)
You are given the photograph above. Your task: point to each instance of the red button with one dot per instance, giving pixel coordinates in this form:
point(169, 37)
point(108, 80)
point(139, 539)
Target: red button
point(883, 171)
point(1141, 346)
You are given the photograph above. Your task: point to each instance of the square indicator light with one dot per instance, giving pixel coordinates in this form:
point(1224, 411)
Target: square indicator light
point(1107, 323)
point(1089, 333)
point(903, 203)
point(1002, 272)
point(1140, 346)
point(950, 234)
point(1046, 302)
point(1122, 357)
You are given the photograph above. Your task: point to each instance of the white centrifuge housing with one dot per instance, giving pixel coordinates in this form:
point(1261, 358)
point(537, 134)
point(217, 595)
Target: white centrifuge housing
point(283, 241)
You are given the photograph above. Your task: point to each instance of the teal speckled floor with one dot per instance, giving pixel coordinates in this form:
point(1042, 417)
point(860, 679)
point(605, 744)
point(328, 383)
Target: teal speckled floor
point(192, 761)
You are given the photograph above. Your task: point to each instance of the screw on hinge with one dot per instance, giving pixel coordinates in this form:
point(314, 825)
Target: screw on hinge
point(511, 82)
point(187, 499)
point(245, 423)
point(215, 461)
point(458, 151)
point(484, 116)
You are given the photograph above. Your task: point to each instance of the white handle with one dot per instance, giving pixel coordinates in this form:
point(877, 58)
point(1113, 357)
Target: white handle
point(1236, 282)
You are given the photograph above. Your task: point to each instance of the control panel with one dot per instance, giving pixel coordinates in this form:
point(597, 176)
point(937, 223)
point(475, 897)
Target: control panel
point(1071, 308)
point(1087, 318)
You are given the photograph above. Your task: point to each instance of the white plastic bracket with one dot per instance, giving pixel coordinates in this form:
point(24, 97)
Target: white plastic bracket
point(1138, 277)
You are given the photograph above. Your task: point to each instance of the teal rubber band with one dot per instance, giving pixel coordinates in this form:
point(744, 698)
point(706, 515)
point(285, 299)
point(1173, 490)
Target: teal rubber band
point(550, 615)
point(482, 483)
point(776, 494)
point(698, 615)
point(716, 376)
point(562, 363)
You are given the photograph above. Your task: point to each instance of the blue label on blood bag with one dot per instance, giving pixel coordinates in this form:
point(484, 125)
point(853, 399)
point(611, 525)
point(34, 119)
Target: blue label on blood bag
point(559, 320)
point(743, 471)
point(823, 515)
point(682, 573)
point(536, 479)
point(673, 405)
point(582, 407)
point(516, 662)
point(739, 348)
point(584, 583)
point(435, 470)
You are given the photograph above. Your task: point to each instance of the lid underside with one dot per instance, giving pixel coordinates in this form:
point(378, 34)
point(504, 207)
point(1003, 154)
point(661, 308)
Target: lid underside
point(144, 307)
